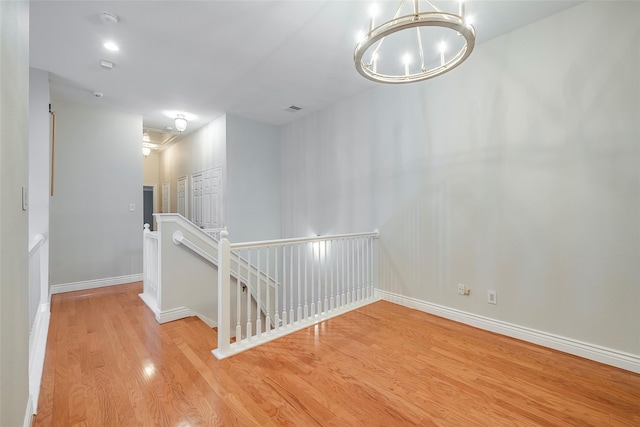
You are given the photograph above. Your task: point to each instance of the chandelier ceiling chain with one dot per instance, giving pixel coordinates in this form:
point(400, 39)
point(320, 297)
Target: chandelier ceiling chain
point(367, 55)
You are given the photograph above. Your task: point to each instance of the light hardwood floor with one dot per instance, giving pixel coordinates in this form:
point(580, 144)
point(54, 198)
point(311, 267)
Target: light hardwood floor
point(109, 363)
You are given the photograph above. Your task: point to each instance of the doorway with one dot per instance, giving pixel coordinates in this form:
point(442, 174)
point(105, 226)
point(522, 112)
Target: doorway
point(147, 201)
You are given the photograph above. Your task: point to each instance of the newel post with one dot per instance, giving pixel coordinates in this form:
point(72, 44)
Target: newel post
point(224, 297)
point(145, 254)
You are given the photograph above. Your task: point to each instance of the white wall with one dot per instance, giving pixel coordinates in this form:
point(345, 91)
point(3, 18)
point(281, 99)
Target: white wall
point(518, 172)
point(253, 180)
point(14, 286)
point(39, 171)
point(204, 149)
point(98, 174)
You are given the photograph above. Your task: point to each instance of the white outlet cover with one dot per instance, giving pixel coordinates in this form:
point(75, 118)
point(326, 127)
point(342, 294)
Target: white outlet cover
point(492, 297)
point(132, 207)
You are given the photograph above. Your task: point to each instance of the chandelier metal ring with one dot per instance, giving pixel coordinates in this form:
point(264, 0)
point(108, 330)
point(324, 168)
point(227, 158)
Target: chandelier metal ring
point(424, 19)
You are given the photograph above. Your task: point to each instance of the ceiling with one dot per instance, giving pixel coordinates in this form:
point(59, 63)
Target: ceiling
point(207, 58)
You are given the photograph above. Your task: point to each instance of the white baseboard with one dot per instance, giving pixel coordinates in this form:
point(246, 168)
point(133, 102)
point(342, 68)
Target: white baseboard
point(37, 350)
point(173, 314)
point(97, 283)
point(150, 302)
point(619, 359)
point(28, 415)
point(207, 320)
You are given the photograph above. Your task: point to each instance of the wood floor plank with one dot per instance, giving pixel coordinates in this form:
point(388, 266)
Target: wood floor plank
point(109, 363)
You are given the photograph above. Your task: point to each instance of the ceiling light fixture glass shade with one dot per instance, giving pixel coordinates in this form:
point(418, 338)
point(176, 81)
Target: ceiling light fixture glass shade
point(181, 123)
point(146, 151)
point(385, 53)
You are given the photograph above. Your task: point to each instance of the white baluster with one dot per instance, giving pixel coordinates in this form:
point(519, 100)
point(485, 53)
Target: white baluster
point(366, 267)
point(268, 291)
point(278, 286)
point(370, 266)
point(306, 282)
point(326, 278)
point(284, 286)
point(359, 267)
point(313, 269)
point(349, 272)
point(299, 285)
point(343, 299)
point(291, 314)
point(333, 256)
point(319, 278)
point(248, 330)
point(238, 300)
point(258, 300)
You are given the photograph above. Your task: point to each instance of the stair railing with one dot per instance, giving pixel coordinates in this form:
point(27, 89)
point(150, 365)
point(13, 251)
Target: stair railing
point(295, 283)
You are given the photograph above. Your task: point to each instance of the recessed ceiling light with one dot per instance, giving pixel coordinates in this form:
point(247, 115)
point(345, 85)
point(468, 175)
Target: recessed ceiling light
point(111, 46)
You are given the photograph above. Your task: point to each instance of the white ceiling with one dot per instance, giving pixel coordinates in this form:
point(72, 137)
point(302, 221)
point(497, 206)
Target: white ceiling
point(207, 58)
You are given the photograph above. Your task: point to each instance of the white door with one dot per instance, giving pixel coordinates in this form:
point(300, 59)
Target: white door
point(182, 196)
point(165, 197)
point(196, 199)
point(206, 199)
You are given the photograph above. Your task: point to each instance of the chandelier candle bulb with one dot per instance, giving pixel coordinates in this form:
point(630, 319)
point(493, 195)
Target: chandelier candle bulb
point(372, 12)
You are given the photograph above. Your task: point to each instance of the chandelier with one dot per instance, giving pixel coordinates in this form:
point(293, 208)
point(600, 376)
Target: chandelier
point(396, 50)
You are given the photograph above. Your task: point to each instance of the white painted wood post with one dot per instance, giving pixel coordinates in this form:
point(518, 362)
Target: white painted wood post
point(224, 294)
point(145, 255)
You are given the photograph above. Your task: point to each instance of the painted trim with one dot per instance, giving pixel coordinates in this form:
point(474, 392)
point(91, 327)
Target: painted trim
point(97, 283)
point(207, 320)
point(173, 314)
point(28, 415)
point(37, 351)
point(150, 302)
point(619, 359)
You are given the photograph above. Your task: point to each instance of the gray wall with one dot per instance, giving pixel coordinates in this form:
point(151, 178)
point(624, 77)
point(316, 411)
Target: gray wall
point(39, 172)
point(14, 286)
point(202, 150)
point(253, 180)
point(249, 153)
point(98, 174)
point(518, 171)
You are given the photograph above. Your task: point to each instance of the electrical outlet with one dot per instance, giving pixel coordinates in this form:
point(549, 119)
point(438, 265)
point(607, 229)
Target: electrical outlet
point(492, 297)
point(461, 289)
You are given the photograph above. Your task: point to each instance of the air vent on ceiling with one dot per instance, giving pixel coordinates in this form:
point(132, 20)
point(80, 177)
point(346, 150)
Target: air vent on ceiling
point(293, 109)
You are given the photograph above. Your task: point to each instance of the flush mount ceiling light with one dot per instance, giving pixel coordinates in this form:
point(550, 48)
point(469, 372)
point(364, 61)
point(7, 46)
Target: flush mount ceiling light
point(180, 122)
point(111, 46)
point(385, 54)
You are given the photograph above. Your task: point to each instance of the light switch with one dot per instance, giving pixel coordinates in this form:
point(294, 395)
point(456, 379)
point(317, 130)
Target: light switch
point(25, 198)
point(132, 207)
